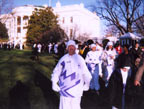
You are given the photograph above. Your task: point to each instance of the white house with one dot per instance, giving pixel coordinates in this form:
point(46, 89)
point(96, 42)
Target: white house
point(74, 19)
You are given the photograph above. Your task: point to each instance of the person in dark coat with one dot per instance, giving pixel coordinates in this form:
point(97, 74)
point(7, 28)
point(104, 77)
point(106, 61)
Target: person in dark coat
point(61, 50)
point(120, 88)
point(125, 58)
point(136, 51)
point(35, 52)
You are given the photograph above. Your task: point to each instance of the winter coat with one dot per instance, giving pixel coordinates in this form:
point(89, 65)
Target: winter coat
point(116, 91)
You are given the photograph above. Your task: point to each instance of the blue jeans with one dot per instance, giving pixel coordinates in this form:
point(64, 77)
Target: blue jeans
point(104, 72)
point(94, 84)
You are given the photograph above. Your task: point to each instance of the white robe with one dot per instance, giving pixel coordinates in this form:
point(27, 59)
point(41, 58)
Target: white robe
point(110, 60)
point(73, 76)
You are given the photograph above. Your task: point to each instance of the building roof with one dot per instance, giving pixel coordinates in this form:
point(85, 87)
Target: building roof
point(129, 35)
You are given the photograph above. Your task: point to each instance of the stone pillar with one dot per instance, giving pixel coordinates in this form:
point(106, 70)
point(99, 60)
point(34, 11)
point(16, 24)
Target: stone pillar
point(15, 31)
point(21, 34)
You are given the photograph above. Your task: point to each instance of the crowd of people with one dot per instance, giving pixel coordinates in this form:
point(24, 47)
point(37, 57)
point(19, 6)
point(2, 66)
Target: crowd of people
point(81, 67)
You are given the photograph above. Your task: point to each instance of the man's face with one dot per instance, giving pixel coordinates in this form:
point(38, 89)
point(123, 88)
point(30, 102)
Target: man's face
point(93, 48)
point(125, 69)
point(110, 46)
point(125, 49)
point(71, 49)
point(137, 45)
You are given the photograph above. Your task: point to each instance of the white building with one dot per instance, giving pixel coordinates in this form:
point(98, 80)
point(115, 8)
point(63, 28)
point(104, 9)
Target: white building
point(74, 19)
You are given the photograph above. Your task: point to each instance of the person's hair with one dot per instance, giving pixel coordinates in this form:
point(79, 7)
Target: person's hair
point(107, 48)
point(127, 46)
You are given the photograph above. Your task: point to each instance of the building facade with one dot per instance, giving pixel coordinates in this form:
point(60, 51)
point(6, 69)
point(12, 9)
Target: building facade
point(76, 21)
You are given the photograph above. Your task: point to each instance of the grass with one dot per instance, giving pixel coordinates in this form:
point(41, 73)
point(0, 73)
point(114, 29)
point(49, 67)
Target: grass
point(18, 65)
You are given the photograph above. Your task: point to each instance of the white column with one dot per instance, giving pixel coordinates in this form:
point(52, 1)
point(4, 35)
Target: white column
point(21, 34)
point(15, 31)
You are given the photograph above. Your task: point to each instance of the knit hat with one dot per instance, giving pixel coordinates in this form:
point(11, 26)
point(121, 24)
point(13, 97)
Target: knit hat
point(93, 45)
point(71, 42)
point(109, 43)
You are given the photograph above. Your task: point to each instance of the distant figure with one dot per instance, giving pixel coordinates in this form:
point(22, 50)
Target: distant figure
point(119, 49)
point(136, 52)
point(109, 56)
point(61, 49)
point(39, 46)
point(73, 76)
point(56, 48)
point(19, 96)
point(50, 47)
point(35, 52)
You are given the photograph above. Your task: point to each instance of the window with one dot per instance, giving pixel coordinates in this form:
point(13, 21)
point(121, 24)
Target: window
point(71, 19)
point(18, 30)
point(18, 20)
point(25, 20)
point(63, 20)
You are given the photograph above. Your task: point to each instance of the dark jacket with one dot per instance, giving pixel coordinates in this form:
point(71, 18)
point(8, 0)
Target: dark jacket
point(136, 53)
point(115, 89)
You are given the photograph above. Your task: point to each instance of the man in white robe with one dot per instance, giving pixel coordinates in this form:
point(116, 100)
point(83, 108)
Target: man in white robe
point(73, 76)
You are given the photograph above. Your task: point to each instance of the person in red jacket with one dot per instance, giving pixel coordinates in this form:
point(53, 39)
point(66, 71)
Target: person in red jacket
point(119, 49)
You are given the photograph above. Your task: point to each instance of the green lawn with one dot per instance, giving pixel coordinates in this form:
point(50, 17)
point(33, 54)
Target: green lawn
point(18, 65)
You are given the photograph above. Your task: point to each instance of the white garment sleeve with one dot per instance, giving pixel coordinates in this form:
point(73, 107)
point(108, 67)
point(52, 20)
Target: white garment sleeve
point(56, 73)
point(86, 74)
point(55, 77)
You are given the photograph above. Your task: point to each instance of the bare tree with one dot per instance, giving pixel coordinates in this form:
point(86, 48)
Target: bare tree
point(112, 31)
point(139, 24)
point(120, 13)
point(83, 37)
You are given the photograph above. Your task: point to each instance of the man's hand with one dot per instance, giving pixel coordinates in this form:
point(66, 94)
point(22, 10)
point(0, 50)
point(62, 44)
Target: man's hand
point(137, 83)
point(86, 87)
point(55, 87)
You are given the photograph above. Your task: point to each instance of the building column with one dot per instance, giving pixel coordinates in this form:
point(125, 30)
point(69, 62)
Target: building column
point(15, 31)
point(21, 34)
